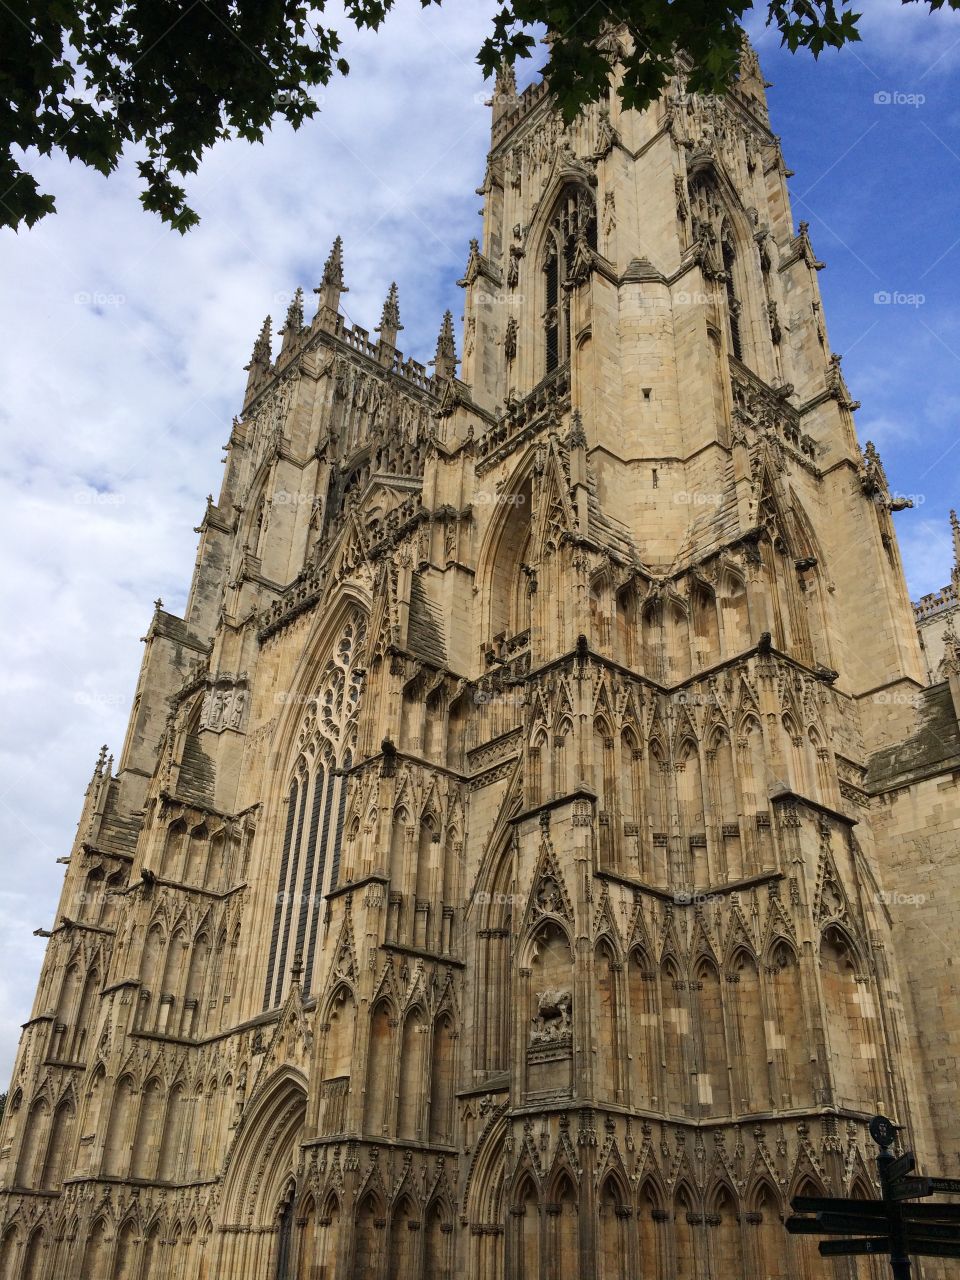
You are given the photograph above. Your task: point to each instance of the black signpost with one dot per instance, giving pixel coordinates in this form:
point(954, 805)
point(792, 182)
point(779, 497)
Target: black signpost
point(891, 1225)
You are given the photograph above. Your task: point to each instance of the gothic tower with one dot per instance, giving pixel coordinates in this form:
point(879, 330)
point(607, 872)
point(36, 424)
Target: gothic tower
point(501, 874)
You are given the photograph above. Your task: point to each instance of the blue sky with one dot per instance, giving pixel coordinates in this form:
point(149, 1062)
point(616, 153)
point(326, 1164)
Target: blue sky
point(123, 348)
point(873, 135)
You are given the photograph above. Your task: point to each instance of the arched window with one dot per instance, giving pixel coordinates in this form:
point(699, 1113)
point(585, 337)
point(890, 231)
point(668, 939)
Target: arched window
point(608, 1060)
point(380, 1086)
point(733, 302)
point(283, 1269)
point(316, 806)
point(852, 1017)
point(572, 229)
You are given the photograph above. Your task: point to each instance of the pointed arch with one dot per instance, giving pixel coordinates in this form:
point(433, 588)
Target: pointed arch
point(734, 613)
point(765, 1235)
point(492, 1003)
point(411, 1075)
point(442, 1079)
point(607, 1055)
point(96, 1253)
point(852, 1032)
point(566, 239)
point(324, 1255)
point(379, 1095)
point(59, 1154)
point(368, 1238)
point(749, 1030)
point(676, 1034)
point(791, 1044)
point(646, 1085)
point(526, 1214)
point(404, 1236)
point(34, 1257)
point(613, 1209)
point(686, 1218)
point(266, 1152)
point(712, 1057)
point(652, 1222)
point(33, 1145)
point(438, 1240)
point(339, 1030)
point(10, 1253)
point(725, 1238)
point(125, 1254)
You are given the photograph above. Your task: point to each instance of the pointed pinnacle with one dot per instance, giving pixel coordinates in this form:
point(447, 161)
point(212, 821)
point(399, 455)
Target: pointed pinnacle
point(506, 81)
point(333, 269)
point(294, 321)
point(445, 360)
point(261, 348)
point(390, 319)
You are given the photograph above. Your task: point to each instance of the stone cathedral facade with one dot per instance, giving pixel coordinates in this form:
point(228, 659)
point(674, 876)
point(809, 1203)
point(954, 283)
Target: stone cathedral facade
point(533, 853)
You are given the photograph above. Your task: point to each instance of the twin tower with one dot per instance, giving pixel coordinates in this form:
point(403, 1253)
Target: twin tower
point(533, 853)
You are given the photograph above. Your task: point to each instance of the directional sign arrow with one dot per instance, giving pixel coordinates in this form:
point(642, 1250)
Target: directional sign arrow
point(946, 1186)
point(910, 1188)
point(900, 1167)
point(922, 1213)
point(925, 1248)
point(841, 1224)
point(803, 1227)
point(843, 1248)
point(838, 1224)
point(932, 1231)
point(828, 1224)
point(836, 1204)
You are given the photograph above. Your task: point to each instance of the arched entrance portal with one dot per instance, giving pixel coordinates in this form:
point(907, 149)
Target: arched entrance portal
point(259, 1226)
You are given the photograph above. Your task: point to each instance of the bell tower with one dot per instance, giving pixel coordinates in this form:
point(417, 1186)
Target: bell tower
point(496, 878)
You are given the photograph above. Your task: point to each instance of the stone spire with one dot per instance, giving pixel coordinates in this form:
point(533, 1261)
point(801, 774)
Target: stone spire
point(260, 360)
point(331, 285)
point(955, 532)
point(390, 325)
point(445, 361)
point(504, 91)
point(293, 325)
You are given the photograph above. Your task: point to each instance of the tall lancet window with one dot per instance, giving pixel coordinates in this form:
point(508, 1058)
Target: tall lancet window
point(733, 302)
point(315, 811)
point(572, 230)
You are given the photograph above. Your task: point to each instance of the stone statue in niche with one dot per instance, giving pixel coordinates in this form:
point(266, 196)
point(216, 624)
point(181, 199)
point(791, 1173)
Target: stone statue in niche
point(236, 711)
point(216, 709)
point(553, 1021)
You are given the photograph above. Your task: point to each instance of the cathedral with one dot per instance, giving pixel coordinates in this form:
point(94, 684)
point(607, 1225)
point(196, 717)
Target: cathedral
point(533, 852)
